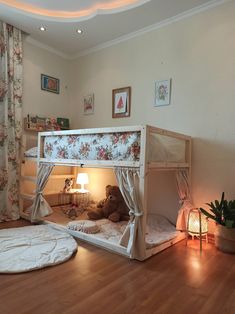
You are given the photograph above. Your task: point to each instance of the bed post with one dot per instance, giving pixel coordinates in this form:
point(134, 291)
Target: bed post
point(188, 155)
point(40, 149)
point(144, 174)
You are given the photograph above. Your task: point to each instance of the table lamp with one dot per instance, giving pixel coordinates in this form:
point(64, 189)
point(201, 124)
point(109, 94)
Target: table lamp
point(82, 178)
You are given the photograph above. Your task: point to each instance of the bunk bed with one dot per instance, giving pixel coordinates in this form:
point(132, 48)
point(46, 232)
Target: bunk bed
point(133, 153)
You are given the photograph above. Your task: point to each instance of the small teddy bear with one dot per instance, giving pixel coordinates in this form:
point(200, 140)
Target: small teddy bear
point(113, 207)
point(67, 185)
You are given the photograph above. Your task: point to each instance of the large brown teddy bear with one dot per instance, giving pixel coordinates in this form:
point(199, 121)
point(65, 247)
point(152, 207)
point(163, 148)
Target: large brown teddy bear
point(112, 207)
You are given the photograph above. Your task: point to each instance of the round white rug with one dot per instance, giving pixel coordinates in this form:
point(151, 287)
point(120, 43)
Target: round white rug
point(33, 247)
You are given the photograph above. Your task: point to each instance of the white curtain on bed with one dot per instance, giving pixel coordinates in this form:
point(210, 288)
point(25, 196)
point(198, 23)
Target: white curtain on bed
point(133, 237)
point(40, 207)
point(182, 179)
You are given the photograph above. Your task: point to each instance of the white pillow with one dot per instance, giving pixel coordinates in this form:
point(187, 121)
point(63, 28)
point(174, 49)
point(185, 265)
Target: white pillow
point(159, 223)
point(32, 152)
point(86, 226)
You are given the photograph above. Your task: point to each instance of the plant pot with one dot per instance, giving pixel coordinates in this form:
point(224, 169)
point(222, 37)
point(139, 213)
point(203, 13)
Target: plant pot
point(225, 239)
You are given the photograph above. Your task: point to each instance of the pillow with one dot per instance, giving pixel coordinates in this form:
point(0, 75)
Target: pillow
point(86, 226)
point(159, 223)
point(32, 152)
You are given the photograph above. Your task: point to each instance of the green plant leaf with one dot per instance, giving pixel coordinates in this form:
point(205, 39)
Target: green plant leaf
point(217, 204)
point(204, 212)
point(224, 212)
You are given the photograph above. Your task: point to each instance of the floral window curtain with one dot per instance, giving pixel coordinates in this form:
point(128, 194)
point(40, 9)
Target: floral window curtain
point(10, 119)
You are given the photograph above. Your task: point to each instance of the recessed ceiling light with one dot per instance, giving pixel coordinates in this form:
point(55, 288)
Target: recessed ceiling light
point(79, 31)
point(42, 28)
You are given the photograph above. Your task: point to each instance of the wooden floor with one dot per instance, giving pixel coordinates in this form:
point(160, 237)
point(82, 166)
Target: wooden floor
point(178, 280)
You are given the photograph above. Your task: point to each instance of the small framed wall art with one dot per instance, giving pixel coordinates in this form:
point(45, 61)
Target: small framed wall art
point(63, 123)
point(162, 93)
point(88, 104)
point(50, 84)
point(121, 102)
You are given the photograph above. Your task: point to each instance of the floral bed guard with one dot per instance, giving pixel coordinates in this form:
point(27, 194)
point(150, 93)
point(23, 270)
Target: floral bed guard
point(118, 146)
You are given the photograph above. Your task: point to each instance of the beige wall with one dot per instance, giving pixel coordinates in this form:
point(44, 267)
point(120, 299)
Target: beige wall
point(37, 101)
point(198, 54)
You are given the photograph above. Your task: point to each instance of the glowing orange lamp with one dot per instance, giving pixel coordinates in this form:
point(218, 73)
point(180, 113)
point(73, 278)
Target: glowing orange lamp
point(197, 225)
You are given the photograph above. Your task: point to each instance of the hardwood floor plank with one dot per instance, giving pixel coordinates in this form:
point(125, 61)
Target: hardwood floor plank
point(176, 281)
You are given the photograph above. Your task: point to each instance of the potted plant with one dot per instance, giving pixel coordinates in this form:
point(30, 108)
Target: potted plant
point(223, 213)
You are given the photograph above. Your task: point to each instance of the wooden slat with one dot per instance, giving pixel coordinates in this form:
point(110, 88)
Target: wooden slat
point(91, 163)
point(27, 196)
point(94, 131)
point(165, 165)
point(53, 176)
point(169, 133)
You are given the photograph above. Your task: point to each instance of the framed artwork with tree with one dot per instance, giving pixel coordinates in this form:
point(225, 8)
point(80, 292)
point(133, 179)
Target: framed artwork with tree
point(121, 104)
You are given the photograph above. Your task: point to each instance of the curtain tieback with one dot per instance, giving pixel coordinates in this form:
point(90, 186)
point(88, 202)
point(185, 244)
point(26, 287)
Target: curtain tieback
point(183, 200)
point(40, 194)
point(131, 213)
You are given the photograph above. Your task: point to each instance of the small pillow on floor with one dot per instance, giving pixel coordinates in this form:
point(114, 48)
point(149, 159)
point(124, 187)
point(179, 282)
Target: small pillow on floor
point(86, 226)
point(32, 152)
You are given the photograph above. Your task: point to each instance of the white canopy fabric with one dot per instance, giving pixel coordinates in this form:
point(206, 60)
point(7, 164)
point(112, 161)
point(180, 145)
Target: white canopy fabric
point(40, 207)
point(182, 179)
point(133, 237)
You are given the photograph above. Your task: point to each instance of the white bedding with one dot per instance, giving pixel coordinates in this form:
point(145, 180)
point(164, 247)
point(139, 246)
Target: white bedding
point(28, 248)
point(158, 230)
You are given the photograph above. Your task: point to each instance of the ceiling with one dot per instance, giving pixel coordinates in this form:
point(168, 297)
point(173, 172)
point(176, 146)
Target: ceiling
point(102, 21)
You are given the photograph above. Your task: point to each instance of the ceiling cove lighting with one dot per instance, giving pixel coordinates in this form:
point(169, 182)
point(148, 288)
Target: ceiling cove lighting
point(89, 10)
point(42, 28)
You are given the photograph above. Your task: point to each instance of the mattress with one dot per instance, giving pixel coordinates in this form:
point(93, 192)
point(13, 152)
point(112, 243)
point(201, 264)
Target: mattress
point(158, 231)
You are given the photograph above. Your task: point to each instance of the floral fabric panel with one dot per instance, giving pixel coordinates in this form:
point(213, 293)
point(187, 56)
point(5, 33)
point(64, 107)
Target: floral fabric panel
point(121, 146)
point(11, 81)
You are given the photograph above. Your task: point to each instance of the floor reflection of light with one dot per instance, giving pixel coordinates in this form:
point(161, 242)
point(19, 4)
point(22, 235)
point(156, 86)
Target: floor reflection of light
point(196, 265)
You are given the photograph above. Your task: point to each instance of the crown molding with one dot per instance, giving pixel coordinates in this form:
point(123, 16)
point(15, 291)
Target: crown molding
point(210, 5)
point(204, 7)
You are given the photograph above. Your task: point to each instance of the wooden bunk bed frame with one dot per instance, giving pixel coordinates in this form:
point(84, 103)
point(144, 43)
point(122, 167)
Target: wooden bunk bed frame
point(143, 164)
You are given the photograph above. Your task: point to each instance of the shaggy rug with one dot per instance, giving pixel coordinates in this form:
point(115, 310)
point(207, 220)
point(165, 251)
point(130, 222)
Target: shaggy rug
point(33, 247)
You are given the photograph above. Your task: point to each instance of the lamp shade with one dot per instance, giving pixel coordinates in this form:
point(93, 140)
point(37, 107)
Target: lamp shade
point(82, 178)
point(195, 219)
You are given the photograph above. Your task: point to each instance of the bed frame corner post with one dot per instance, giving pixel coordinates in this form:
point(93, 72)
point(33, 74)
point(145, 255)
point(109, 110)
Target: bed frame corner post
point(144, 172)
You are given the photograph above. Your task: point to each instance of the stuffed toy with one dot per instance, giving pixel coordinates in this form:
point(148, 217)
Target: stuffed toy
point(68, 185)
point(112, 207)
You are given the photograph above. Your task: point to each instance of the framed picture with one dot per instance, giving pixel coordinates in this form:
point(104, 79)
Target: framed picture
point(162, 92)
point(63, 123)
point(50, 84)
point(121, 102)
point(88, 104)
